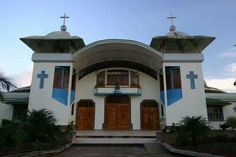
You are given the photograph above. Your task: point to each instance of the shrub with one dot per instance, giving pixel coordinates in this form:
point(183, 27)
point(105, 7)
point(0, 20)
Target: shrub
point(36, 130)
point(224, 126)
point(194, 128)
point(232, 122)
point(41, 126)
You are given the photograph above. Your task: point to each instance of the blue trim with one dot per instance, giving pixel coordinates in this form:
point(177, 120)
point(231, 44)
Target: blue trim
point(105, 94)
point(60, 95)
point(173, 95)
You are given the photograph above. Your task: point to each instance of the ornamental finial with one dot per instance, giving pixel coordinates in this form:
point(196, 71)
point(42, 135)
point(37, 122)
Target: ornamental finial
point(172, 27)
point(63, 27)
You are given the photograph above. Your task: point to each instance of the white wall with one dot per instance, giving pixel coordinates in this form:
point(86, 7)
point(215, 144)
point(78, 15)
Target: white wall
point(85, 90)
point(229, 111)
point(42, 98)
point(193, 102)
point(6, 111)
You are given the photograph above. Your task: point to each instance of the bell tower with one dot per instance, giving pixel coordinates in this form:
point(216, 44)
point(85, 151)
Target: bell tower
point(52, 73)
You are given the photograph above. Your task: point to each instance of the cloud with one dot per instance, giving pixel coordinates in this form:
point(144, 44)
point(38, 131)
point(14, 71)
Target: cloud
point(23, 78)
point(226, 84)
point(230, 53)
point(231, 67)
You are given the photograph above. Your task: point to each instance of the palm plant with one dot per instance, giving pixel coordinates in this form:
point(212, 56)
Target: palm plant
point(194, 127)
point(5, 84)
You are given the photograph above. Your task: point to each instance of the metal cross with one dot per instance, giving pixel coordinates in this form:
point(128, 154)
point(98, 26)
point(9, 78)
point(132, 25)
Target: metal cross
point(191, 76)
point(42, 76)
point(64, 18)
point(171, 18)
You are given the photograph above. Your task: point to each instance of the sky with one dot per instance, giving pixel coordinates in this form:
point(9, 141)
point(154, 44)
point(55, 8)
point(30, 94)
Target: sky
point(138, 20)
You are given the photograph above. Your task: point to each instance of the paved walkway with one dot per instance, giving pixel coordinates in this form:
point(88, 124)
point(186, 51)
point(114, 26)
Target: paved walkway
point(146, 150)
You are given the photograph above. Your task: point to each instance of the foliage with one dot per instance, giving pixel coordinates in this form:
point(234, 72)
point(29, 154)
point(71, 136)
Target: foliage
point(190, 129)
point(5, 84)
point(38, 128)
point(224, 126)
point(41, 126)
point(232, 122)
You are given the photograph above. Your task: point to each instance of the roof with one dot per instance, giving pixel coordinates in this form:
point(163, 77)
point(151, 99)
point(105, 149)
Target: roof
point(117, 53)
point(181, 43)
point(216, 102)
point(47, 43)
point(229, 97)
point(176, 34)
point(16, 97)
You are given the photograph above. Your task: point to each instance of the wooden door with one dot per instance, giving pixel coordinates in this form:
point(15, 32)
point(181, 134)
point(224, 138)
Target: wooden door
point(149, 115)
point(123, 116)
point(85, 115)
point(111, 112)
point(117, 113)
point(117, 116)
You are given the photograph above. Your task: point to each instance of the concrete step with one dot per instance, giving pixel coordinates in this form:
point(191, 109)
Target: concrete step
point(114, 140)
point(124, 134)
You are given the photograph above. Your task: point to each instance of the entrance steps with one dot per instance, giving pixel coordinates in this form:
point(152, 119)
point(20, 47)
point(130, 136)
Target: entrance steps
point(116, 137)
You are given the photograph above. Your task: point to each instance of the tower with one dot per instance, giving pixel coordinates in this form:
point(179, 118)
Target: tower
point(183, 85)
point(51, 86)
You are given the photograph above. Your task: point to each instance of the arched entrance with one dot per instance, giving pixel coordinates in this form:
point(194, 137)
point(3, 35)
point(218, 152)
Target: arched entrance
point(117, 112)
point(85, 115)
point(149, 115)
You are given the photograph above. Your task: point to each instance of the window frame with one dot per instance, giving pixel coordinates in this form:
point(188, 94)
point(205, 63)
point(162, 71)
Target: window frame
point(216, 114)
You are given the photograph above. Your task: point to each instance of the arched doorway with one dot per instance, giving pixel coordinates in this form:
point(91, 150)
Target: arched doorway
point(117, 112)
point(149, 115)
point(85, 115)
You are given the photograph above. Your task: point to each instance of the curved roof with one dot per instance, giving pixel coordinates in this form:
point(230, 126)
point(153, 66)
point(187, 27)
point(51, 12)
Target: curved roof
point(118, 51)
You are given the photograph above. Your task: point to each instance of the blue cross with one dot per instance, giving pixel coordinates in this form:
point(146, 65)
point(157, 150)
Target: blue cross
point(192, 78)
point(42, 76)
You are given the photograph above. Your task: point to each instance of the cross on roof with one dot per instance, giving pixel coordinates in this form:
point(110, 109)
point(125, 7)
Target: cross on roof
point(171, 18)
point(64, 18)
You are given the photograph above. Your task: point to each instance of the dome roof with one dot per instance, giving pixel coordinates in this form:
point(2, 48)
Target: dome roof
point(176, 34)
point(58, 34)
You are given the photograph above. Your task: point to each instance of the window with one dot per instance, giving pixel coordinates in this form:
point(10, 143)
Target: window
point(61, 84)
point(173, 84)
point(101, 79)
point(173, 79)
point(134, 78)
point(61, 77)
point(120, 77)
point(86, 103)
point(215, 113)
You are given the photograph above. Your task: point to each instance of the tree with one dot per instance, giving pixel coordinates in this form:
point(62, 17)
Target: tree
point(5, 84)
point(194, 127)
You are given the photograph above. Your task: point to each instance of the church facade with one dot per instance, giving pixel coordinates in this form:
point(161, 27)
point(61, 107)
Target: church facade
point(118, 84)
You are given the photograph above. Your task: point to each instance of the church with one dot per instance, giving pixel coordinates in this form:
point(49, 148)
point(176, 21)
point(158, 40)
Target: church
point(119, 84)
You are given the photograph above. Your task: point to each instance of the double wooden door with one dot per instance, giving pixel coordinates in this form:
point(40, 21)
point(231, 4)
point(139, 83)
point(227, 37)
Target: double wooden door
point(85, 115)
point(117, 113)
point(149, 115)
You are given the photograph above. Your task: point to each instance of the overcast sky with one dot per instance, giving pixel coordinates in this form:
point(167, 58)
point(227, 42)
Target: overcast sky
point(124, 19)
